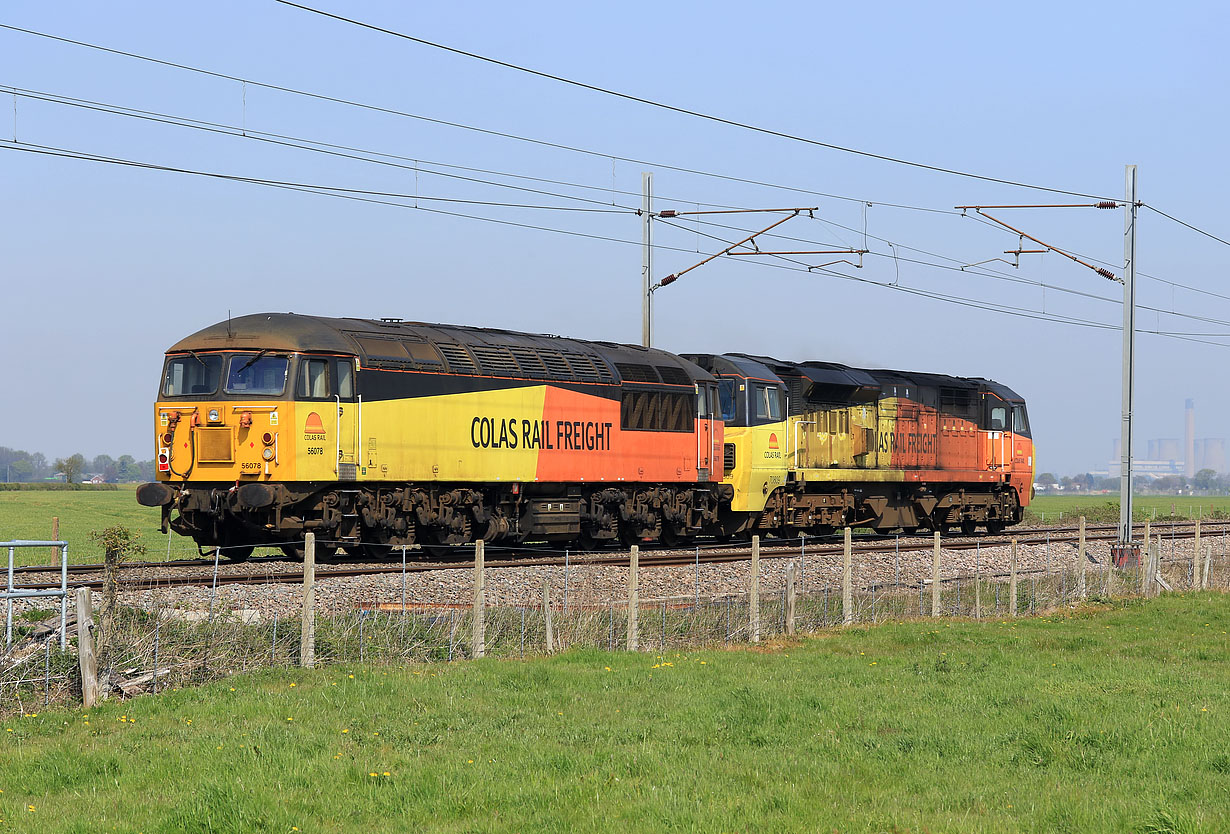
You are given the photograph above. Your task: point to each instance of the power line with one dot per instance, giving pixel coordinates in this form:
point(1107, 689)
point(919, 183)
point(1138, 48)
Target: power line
point(473, 128)
point(71, 154)
point(683, 110)
point(1171, 217)
point(372, 197)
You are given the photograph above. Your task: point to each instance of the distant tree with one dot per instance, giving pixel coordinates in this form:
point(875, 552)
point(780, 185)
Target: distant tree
point(1167, 484)
point(71, 467)
point(1205, 479)
point(40, 465)
point(127, 469)
point(1066, 482)
point(1047, 479)
point(20, 470)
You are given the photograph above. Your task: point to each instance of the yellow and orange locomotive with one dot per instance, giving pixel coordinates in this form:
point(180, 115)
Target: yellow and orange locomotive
point(382, 433)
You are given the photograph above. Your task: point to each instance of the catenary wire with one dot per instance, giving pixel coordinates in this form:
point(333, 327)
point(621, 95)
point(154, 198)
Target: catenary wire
point(685, 111)
point(462, 126)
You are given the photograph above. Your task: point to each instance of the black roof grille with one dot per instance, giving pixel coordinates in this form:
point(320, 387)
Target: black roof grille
point(673, 375)
point(529, 361)
point(582, 368)
point(557, 368)
point(458, 358)
point(633, 372)
point(495, 360)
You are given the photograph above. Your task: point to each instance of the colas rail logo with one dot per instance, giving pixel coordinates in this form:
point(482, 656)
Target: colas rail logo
point(773, 440)
point(313, 428)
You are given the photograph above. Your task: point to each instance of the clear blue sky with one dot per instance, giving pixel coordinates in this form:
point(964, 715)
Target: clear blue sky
point(103, 267)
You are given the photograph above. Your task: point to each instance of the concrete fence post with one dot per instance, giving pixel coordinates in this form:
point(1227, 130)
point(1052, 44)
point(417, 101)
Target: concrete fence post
point(307, 637)
point(790, 599)
point(547, 625)
point(753, 592)
point(85, 649)
point(1082, 563)
point(935, 577)
point(1196, 558)
point(1012, 606)
point(847, 580)
point(634, 635)
point(1208, 558)
point(1146, 562)
point(479, 640)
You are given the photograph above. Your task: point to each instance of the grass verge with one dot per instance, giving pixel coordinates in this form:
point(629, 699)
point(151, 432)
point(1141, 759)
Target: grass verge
point(1105, 719)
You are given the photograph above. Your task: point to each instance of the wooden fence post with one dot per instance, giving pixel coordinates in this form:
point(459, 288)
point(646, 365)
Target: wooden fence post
point(479, 640)
point(55, 537)
point(634, 603)
point(307, 637)
point(847, 580)
point(1012, 581)
point(1082, 561)
point(753, 592)
point(935, 577)
point(1196, 558)
point(1146, 562)
point(85, 649)
point(547, 624)
point(790, 599)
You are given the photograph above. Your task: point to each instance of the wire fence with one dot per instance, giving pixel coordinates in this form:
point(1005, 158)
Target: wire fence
point(160, 644)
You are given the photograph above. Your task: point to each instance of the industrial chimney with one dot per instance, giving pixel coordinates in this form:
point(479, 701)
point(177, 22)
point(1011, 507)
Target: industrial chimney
point(1189, 458)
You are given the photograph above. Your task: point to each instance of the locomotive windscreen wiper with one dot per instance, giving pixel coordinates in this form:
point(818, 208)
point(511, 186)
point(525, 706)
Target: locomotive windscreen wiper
point(192, 353)
point(252, 361)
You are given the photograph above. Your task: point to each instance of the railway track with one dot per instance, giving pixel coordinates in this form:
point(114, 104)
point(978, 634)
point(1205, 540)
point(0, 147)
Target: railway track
point(134, 575)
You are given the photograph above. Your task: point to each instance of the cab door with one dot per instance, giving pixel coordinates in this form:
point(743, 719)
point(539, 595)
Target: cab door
point(705, 433)
point(998, 449)
point(347, 420)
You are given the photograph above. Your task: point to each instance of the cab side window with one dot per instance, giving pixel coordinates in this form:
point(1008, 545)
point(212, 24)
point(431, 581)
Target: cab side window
point(1020, 423)
point(999, 418)
point(314, 379)
point(345, 379)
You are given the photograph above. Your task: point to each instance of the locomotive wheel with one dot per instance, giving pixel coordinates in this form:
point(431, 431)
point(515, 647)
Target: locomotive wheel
point(968, 528)
point(995, 527)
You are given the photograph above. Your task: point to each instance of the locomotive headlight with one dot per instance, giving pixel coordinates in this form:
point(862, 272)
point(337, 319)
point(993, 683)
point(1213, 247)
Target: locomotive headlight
point(213, 415)
point(167, 439)
point(267, 454)
point(267, 438)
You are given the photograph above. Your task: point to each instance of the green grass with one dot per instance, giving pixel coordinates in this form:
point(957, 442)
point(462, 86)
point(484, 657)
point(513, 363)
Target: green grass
point(1105, 721)
point(28, 514)
point(1064, 509)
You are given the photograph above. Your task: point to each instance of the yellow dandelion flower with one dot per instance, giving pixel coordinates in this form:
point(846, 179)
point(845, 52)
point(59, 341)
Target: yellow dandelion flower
point(294, 684)
point(608, 668)
point(469, 761)
point(373, 773)
point(30, 808)
point(386, 773)
point(345, 731)
point(289, 719)
point(350, 676)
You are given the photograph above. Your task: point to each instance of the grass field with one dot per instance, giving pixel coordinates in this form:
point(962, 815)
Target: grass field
point(1105, 720)
point(28, 514)
point(1105, 508)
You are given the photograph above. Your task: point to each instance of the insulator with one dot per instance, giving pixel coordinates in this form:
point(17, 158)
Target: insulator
point(1108, 204)
point(668, 213)
point(669, 279)
point(1106, 273)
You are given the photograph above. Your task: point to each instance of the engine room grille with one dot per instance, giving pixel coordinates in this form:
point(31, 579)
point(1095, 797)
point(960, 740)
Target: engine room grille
point(214, 446)
point(556, 365)
point(531, 364)
point(674, 376)
point(458, 358)
point(632, 372)
point(728, 457)
point(496, 360)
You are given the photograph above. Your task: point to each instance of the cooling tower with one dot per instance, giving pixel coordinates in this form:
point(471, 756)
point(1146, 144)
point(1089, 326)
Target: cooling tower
point(1189, 437)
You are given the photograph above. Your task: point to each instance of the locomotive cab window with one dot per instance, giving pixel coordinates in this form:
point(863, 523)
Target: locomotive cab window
point(768, 403)
point(345, 378)
point(999, 418)
point(1020, 422)
point(727, 402)
point(192, 374)
point(257, 374)
point(314, 379)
